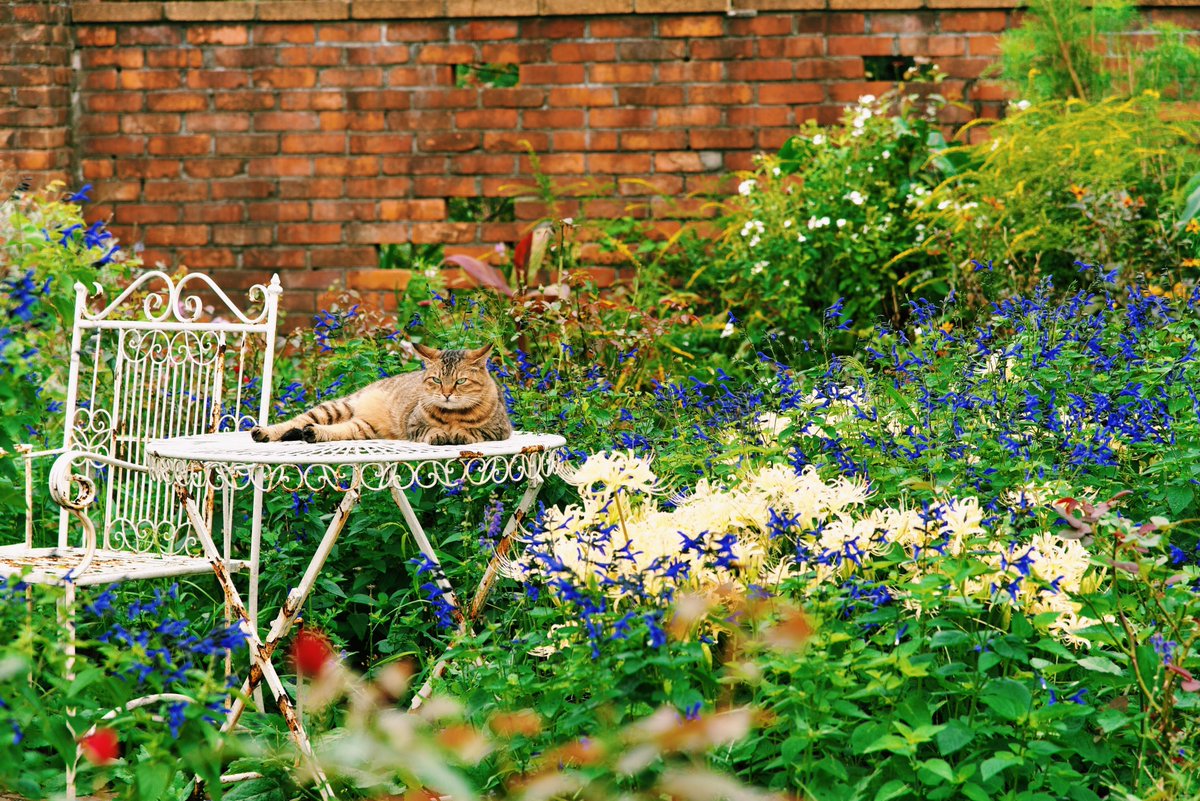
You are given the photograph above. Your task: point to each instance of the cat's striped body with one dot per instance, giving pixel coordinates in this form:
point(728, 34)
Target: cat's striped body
point(452, 401)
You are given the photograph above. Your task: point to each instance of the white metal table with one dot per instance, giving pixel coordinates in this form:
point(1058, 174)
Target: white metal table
point(232, 461)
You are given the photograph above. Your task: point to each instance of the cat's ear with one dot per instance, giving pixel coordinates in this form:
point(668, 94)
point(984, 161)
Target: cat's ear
point(427, 353)
point(479, 354)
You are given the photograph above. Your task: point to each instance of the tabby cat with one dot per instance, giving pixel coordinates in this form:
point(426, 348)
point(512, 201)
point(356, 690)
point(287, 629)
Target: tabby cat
point(452, 401)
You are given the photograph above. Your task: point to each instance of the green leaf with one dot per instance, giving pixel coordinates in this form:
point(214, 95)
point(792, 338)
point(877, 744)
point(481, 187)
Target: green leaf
point(889, 742)
point(263, 789)
point(1100, 664)
point(1179, 497)
point(1007, 698)
point(998, 763)
point(953, 737)
point(932, 769)
point(893, 789)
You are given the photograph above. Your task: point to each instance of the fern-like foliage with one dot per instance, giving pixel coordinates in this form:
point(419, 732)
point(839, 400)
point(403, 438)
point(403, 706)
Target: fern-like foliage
point(1093, 50)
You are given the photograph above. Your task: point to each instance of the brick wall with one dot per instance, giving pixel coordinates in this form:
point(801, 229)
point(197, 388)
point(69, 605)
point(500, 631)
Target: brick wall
point(35, 90)
point(297, 137)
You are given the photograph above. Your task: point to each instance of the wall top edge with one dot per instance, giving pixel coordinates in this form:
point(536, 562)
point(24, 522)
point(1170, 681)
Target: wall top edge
point(227, 11)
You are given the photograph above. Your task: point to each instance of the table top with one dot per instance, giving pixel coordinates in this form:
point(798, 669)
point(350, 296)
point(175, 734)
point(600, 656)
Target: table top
point(238, 448)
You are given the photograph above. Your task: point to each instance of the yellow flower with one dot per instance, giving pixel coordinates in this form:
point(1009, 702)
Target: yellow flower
point(1077, 191)
point(1190, 263)
point(1193, 226)
point(947, 327)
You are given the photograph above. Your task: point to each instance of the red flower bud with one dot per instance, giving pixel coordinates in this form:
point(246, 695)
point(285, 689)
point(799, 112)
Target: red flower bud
point(101, 747)
point(311, 652)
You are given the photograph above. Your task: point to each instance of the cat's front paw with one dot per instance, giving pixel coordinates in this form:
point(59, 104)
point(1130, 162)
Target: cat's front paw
point(309, 434)
point(259, 434)
point(435, 437)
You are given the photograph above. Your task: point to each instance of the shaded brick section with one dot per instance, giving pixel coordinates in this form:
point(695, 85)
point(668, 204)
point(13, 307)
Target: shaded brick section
point(298, 135)
point(35, 91)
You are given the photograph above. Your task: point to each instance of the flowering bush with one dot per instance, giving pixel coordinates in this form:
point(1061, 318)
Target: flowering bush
point(825, 218)
point(1124, 206)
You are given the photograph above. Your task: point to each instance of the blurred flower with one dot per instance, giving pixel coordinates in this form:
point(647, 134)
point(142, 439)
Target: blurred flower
point(311, 652)
point(101, 747)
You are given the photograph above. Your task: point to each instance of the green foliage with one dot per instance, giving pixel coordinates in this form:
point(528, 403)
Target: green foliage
point(1094, 50)
point(826, 218)
point(1066, 181)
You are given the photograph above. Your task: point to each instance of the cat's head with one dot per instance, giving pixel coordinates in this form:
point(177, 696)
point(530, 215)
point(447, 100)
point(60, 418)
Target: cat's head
point(455, 379)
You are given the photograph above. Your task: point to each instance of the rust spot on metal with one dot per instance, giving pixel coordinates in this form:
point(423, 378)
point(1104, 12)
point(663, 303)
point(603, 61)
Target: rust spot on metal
point(466, 455)
point(533, 449)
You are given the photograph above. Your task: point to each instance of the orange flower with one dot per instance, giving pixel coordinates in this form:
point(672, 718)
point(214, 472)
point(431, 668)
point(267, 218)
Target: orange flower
point(1193, 226)
point(1190, 263)
point(1077, 191)
point(947, 327)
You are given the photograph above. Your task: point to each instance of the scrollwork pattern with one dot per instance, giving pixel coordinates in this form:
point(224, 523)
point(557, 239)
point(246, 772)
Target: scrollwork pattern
point(172, 304)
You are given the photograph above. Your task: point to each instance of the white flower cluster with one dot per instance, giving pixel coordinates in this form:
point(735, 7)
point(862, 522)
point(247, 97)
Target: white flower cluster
point(740, 522)
point(753, 229)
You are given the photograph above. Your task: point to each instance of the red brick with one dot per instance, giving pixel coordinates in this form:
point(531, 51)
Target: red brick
point(350, 32)
point(985, 45)
point(162, 35)
point(851, 92)
point(761, 116)
point(514, 97)
point(125, 58)
point(299, 33)
point(761, 25)
point(177, 101)
point(652, 95)
point(621, 73)
point(286, 121)
point(620, 117)
point(444, 187)
point(217, 79)
point(380, 99)
point(678, 162)
point(377, 187)
point(903, 22)
point(175, 235)
point(380, 54)
point(829, 68)
point(932, 46)
point(790, 94)
point(242, 235)
point(653, 140)
point(291, 78)
point(621, 28)
point(687, 116)
point(174, 59)
point(478, 164)
point(445, 54)
point(150, 168)
point(344, 257)
point(487, 30)
point(718, 139)
point(343, 210)
point(241, 57)
point(279, 211)
point(113, 103)
point(692, 72)
point(725, 94)
point(434, 233)
point(449, 141)
point(721, 49)
point(760, 71)
point(382, 143)
point(588, 52)
point(653, 185)
point(341, 165)
point(328, 100)
point(208, 258)
point(580, 96)
point(213, 168)
point(654, 50)
point(503, 118)
point(418, 31)
point(280, 165)
point(228, 35)
point(691, 26)
point(619, 163)
point(310, 234)
point(387, 280)
point(967, 68)
point(241, 189)
point(218, 123)
point(313, 143)
point(149, 79)
point(150, 123)
point(220, 213)
point(180, 145)
point(445, 98)
point(245, 101)
point(861, 46)
point(551, 74)
point(549, 27)
point(510, 141)
point(277, 259)
point(248, 145)
point(95, 36)
point(352, 77)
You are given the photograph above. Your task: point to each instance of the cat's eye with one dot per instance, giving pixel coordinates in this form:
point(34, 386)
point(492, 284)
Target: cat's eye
point(461, 381)
point(437, 381)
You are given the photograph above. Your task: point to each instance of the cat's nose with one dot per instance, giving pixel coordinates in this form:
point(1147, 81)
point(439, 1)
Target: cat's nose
point(448, 394)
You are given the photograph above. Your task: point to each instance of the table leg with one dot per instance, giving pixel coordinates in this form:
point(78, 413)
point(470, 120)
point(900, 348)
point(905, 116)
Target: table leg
point(283, 622)
point(260, 657)
point(485, 584)
point(439, 575)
